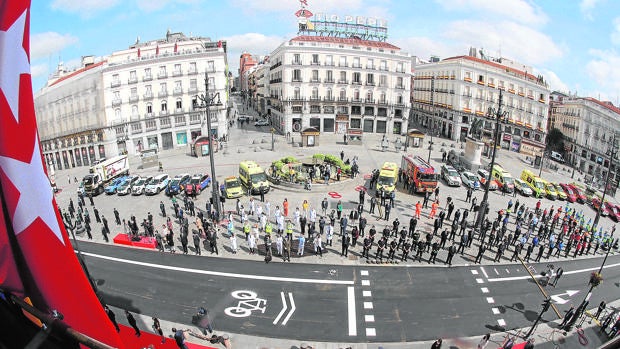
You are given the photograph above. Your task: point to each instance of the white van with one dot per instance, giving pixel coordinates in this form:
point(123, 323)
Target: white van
point(451, 175)
point(557, 157)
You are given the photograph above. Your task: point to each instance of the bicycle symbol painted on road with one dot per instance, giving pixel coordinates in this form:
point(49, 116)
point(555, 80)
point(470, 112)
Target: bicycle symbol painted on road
point(248, 302)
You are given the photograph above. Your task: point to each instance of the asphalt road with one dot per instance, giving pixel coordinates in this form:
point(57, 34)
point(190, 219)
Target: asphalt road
point(335, 303)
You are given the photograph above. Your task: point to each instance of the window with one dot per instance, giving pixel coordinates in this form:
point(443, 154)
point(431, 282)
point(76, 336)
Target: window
point(147, 74)
point(369, 98)
point(356, 110)
point(132, 76)
point(211, 66)
point(163, 89)
point(192, 68)
point(382, 98)
point(356, 95)
point(193, 85)
point(370, 79)
point(315, 93)
point(383, 80)
point(149, 109)
point(297, 75)
point(343, 61)
point(315, 59)
point(177, 69)
point(343, 94)
point(179, 104)
point(164, 106)
point(178, 87)
point(370, 64)
point(117, 114)
point(399, 67)
point(399, 99)
point(328, 109)
point(480, 79)
point(116, 80)
point(211, 83)
point(329, 60)
point(357, 78)
point(329, 95)
point(297, 93)
point(356, 62)
point(383, 65)
point(315, 76)
point(343, 77)
point(343, 109)
point(134, 110)
point(162, 71)
point(296, 58)
point(330, 76)
point(399, 82)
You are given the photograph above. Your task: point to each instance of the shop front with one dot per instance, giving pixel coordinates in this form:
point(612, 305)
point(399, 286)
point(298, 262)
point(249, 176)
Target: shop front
point(506, 141)
point(515, 144)
point(342, 124)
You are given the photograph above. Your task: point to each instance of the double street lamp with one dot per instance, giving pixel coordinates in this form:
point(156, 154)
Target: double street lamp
point(206, 101)
point(498, 114)
point(612, 151)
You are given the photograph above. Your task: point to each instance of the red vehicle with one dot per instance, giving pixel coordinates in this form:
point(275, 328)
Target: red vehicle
point(614, 211)
point(570, 193)
point(420, 173)
point(581, 197)
point(596, 203)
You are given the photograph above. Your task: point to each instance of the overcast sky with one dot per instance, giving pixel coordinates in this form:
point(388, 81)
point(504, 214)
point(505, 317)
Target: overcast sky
point(573, 44)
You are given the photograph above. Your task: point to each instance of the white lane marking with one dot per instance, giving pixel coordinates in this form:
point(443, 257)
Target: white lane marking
point(484, 272)
point(496, 272)
point(290, 297)
point(495, 311)
point(284, 307)
point(367, 305)
point(490, 300)
point(501, 322)
point(484, 290)
point(218, 273)
point(369, 318)
point(514, 278)
point(475, 272)
point(508, 271)
point(365, 282)
point(364, 272)
point(370, 332)
point(351, 307)
point(366, 293)
point(480, 281)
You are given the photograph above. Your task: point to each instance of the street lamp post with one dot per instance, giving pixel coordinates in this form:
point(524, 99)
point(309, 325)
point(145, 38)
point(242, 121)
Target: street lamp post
point(499, 114)
point(430, 145)
point(206, 101)
point(612, 155)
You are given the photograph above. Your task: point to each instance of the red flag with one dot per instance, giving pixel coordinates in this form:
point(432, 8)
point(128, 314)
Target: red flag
point(175, 47)
point(51, 274)
point(157, 51)
point(138, 52)
point(219, 44)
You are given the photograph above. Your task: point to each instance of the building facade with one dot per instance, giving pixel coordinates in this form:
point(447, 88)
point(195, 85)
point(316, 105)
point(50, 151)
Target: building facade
point(452, 95)
point(588, 126)
point(335, 84)
point(147, 97)
point(246, 62)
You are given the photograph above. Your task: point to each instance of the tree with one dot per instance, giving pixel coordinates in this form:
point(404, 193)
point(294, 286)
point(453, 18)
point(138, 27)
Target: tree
point(555, 141)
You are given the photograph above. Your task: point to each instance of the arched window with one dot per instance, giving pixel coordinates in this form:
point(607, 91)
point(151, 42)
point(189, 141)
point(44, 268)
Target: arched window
point(369, 96)
point(179, 104)
point(315, 93)
point(343, 94)
point(330, 94)
point(117, 113)
point(164, 106)
point(356, 95)
point(383, 97)
point(134, 110)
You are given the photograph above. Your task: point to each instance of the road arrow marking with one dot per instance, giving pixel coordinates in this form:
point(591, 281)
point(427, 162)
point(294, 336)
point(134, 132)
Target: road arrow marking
point(559, 300)
point(284, 308)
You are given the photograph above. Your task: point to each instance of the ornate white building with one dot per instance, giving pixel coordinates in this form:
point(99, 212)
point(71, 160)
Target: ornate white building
point(135, 99)
point(335, 84)
point(448, 95)
point(588, 126)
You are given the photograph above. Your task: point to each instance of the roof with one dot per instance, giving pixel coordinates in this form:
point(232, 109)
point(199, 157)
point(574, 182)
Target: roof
point(606, 105)
point(77, 72)
point(345, 41)
point(495, 65)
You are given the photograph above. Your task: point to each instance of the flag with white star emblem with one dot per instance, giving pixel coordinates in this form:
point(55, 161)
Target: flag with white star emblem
point(34, 241)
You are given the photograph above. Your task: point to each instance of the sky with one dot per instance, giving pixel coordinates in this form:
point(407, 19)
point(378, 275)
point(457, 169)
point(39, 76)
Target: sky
point(574, 44)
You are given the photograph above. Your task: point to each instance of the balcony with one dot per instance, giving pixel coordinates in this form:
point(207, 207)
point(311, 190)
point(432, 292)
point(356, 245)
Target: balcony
point(178, 110)
point(530, 96)
point(147, 96)
point(329, 99)
point(179, 121)
point(134, 117)
point(344, 65)
point(329, 64)
point(151, 126)
point(296, 80)
point(467, 79)
point(356, 82)
point(356, 65)
point(146, 115)
point(115, 83)
point(369, 101)
point(490, 84)
point(164, 123)
point(328, 81)
point(192, 72)
point(383, 102)
point(177, 91)
point(315, 63)
point(275, 81)
point(133, 98)
point(195, 119)
point(275, 65)
point(371, 67)
point(342, 99)
point(400, 87)
point(343, 82)
point(161, 94)
point(315, 98)
point(383, 68)
point(162, 75)
point(370, 83)
point(315, 81)
point(116, 102)
point(133, 80)
point(294, 62)
point(163, 113)
point(148, 77)
point(177, 73)
point(480, 82)
point(193, 89)
point(356, 100)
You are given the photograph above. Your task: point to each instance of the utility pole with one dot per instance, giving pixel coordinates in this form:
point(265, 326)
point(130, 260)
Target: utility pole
point(612, 155)
point(206, 102)
point(430, 146)
point(498, 114)
point(545, 306)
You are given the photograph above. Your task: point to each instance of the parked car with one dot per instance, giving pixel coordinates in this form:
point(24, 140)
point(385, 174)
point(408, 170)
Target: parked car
point(614, 211)
point(522, 187)
point(176, 184)
point(570, 193)
point(484, 179)
point(550, 191)
point(261, 122)
point(197, 184)
point(125, 187)
point(560, 191)
point(243, 117)
point(595, 202)
point(581, 197)
point(111, 188)
point(232, 188)
point(138, 187)
point(470, 180)
point(157, 184)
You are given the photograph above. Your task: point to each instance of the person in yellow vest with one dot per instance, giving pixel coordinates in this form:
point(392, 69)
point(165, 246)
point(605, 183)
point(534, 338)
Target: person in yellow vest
point(246, 229)
point(289, 229)
point(268, 228)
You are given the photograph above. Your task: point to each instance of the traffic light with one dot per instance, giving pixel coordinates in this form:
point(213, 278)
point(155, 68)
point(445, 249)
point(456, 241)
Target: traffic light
point(546, 304)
